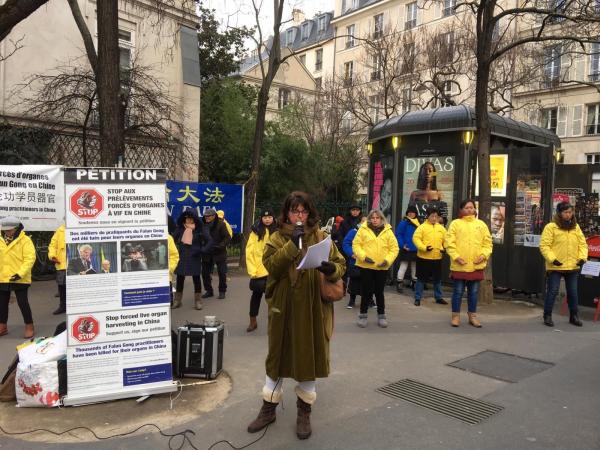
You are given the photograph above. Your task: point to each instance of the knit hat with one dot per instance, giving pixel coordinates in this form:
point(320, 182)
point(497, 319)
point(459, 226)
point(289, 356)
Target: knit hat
point(563, 206)
point(8, 223)
point(266, 213)
point(210, 212)
point(355, 207)
point(412, 209)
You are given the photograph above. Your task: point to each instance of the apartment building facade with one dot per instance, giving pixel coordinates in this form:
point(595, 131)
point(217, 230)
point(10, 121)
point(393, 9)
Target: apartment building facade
point(50, 43)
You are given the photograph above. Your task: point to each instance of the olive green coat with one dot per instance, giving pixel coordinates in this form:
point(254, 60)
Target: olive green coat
point(300, 324)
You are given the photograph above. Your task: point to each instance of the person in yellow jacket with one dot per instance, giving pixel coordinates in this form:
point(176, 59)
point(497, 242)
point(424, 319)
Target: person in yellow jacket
point(17, 256)
point(255, 248)
point(469, 245)
point(429, 239)
point(564, 249)
point(57, 253)
point(375, 248)
point(221, 215)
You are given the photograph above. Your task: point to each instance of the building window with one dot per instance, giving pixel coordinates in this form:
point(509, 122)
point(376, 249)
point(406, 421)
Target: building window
point(559, 7)
point(319, 60)
point(289, 37)
point(449, 6)
point(305, 31)
point(550, 119)
point(406, 99)
point(378, 26)
point(552, 66)
point(595, 61)
point(350, 36)
point(593, 119)
point(322, 23)
point(447, 47)
point(285, 97)
point(411, 16)
point(447, 95)
point(376, 72)
point(375, 102)
point(348, 71)
point(349, 4)
point(303, 59)
point(593, 158)
point(319, 82)
point(347, 122)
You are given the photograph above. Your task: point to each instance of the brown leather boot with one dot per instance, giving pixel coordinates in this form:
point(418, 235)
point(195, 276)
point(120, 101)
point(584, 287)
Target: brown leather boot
point(177, 296)
point(266, 416)
point(455, 319)
point(3, 329)
point(303, 430)
point(198, 300)
point(253, 325)
point(29, 331)
point(473, 320)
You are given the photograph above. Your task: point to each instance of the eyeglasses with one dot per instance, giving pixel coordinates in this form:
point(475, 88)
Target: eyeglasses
point(298, 212)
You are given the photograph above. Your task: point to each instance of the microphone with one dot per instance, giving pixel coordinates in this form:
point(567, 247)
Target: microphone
point(299, 224)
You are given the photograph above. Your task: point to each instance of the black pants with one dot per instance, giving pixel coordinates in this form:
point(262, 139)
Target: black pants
point(195, 279)
point(372, 282)
point(22, 301)
point(207, 268)
point(62, 296)
point(257, 286)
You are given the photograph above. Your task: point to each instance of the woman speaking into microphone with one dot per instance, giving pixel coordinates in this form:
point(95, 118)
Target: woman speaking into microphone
point(300, 324)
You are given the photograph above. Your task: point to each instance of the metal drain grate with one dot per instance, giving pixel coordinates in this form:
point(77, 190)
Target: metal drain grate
point(457, 406)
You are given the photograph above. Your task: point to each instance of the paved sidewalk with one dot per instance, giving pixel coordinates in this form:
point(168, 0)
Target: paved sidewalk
point(557, 408)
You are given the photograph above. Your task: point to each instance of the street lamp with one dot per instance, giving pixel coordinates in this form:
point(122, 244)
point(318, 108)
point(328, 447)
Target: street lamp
point(395, 142)
point(468, 137)
point(559, 154)
point(369, 148)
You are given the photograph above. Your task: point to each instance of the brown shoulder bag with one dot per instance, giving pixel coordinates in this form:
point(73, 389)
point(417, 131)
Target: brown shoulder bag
point(331, 291)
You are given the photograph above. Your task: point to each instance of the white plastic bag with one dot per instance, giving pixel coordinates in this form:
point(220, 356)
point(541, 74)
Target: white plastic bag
point(46, 350)
point(36, 385)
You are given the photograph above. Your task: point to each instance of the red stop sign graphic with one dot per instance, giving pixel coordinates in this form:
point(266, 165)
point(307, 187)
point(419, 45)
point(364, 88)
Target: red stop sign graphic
point(85, 329)
point(86, 203)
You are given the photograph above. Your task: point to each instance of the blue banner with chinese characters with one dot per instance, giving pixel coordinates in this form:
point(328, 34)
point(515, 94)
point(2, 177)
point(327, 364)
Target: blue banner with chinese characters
point(182, 195)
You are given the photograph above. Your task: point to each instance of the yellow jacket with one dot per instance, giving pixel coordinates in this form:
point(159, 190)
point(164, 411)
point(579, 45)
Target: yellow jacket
point(221, 215)
point(254, 255)
point(468, 238)
point(426, 235)
point(380, 248)
point(173, 254)
point(567, 246)
point(57, 248)
point(18, 258)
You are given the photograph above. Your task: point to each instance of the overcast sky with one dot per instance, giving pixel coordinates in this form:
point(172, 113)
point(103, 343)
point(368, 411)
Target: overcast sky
point(240, 12)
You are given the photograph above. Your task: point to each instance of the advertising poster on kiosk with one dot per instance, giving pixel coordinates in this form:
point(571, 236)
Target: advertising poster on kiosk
point(381, 186)
point(529, 211)
point(429, 181)
point(118, 295)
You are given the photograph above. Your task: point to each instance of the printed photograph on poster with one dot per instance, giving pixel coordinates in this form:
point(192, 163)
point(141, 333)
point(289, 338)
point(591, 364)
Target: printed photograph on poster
point(429, 181)
point(381, 186)
point(92, 258)
point(498, 217)
point(529, 210)
point(137, 256)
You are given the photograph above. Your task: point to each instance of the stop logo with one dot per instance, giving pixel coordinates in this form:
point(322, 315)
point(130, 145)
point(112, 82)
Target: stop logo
point(85, 328)
point(86, 203)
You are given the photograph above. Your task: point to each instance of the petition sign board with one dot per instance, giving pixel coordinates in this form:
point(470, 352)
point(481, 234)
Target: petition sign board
point(118, 296)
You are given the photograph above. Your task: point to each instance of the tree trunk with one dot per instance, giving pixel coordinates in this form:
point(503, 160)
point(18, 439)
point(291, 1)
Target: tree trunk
point(88, 42)
point(484, 50)
point(109, 83)
point(14, 11)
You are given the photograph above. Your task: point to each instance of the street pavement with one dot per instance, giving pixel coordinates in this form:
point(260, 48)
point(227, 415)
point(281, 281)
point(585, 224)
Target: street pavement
point(554, 409)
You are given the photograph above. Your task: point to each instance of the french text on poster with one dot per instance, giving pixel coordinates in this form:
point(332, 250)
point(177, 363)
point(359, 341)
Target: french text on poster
point(34, 194)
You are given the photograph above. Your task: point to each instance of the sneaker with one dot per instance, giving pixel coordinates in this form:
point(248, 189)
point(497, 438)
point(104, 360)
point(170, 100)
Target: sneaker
point(349, 306)
point(417, 302)
point(382, 321)
point(208, 294)
point(221, 295)
point(362, 321)
point(441, 301)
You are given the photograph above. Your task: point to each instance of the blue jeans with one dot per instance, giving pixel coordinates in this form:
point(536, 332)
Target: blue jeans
point(552, 285)
point(459, 289)
point(437, 290)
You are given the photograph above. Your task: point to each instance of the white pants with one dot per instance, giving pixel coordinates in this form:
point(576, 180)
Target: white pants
point(306, 390)
point(402, 270)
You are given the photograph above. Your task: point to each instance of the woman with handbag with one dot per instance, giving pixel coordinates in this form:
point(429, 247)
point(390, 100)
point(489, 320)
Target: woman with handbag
point(300, 322)
point(375, 248)
point(469, 245)
point(261, 230)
